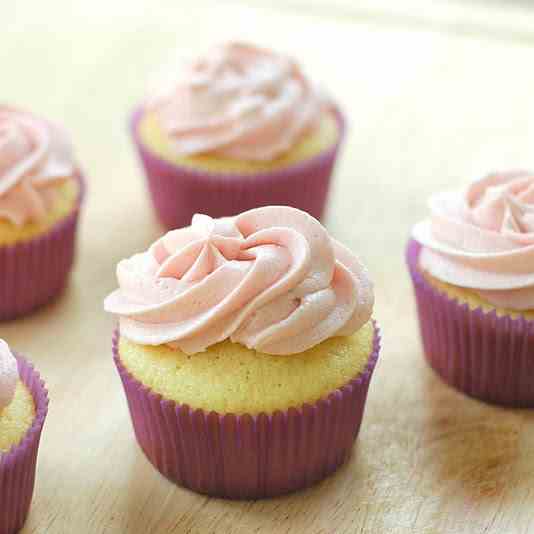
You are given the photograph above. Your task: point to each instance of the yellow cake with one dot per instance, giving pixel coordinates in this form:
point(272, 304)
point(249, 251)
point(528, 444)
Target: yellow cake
point(157, 141)
point(473, 299)
point(230, 378)
point(16, 418)
point(67, 196)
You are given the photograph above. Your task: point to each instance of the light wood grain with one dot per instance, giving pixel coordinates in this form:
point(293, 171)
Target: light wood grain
point(429, 108)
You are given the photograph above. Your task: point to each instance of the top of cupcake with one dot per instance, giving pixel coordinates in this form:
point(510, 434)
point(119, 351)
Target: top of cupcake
point(9, 375)
point(34, 157)
point(483, 238)
point(270, 278)
point(240, 102)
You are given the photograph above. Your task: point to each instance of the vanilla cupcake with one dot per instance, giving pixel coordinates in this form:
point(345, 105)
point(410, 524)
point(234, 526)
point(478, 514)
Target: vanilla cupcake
point(246, 348)
point(23, 408)
point(243, 127)
point(472, 264)
point(40, 194)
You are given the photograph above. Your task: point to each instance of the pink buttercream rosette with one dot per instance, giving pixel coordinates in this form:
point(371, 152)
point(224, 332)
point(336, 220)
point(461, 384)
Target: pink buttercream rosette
point(17, 467)
point(245, 103)
point(247, 456)
point(180, 192)
point(34, 272)
point(479, 353)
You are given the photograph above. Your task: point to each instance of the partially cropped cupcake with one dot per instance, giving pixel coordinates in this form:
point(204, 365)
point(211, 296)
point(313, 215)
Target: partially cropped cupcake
point(246, 348)
point(472, 264)
point(23, 408)
point(243, 127)
point(40, 194)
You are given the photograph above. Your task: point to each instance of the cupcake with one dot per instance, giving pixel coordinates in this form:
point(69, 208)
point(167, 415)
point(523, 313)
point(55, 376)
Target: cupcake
point(472, 265)
point(40, 194)
point(245, 347)
point(23, 408)
point(242, 128)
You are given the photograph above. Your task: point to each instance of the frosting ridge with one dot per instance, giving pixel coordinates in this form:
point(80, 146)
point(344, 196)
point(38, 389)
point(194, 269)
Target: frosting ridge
point(270, 278)
point(241, 102)
point(9, 375)
point(34, 157)
point(483, 238)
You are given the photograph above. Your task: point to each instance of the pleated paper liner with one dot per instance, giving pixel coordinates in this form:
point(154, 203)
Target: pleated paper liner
point(17, 467)
point(34, 272)
point(246, 456)
point(479, 353)
point(180, 192)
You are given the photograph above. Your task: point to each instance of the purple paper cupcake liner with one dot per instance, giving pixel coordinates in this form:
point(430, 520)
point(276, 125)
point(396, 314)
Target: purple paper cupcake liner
point(35, 271)
point(247, 456)
point(17, 467)
point(479, 353)
point(180, 192)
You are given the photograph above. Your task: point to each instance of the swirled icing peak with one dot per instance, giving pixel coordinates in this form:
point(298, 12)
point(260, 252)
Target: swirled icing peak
point(271, 279)
point(34, 157)
point(483, 239)
point(241, 102)
point(9, 375)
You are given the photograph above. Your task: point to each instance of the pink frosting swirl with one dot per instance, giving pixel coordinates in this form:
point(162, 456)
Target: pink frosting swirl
point(9, 375)
point(34, 157)
point(271, 279)
point(240, 102)
point(483, 239)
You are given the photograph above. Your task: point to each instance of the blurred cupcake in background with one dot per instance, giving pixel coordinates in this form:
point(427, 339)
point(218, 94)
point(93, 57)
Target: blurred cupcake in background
point(472, 264)
point(41, 189)
point(245, 348)
point(23, 409)
point(243, 127)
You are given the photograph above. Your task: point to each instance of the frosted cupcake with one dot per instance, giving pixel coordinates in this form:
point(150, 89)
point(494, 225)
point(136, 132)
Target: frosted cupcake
point(23, 408)
point(242, 128)
point(472, 264)
point(40, 194)
point(245, 347)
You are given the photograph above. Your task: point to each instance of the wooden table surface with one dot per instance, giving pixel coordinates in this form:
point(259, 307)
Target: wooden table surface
point(435, 96)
